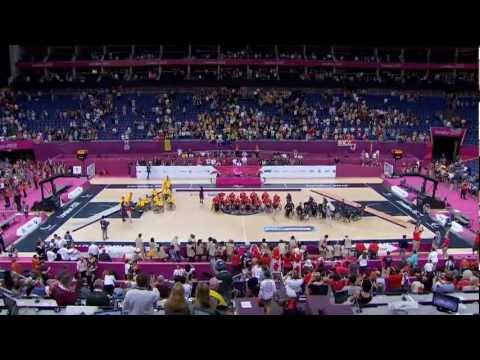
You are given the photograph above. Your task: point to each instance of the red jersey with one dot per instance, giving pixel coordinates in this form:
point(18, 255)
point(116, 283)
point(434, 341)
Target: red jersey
point(337, 285)
point(307, 278)
point(276, 198)
point(373, 248)
point(297, 257)
point(287, 262)
point(266, 260)
point(255, 251)
point(231, 196)
point(276, 253)
point(216, 200)
point(417, 235)
point(236, 260)
point(267, 202)
point(359, 247)
point(395, 281)
point(341, 270)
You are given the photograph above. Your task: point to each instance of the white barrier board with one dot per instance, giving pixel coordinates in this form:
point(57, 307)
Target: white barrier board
point(177, 172)
point(299, 172)
point(74, 193)
point(388, 169)
point(399, 192)
point(91, 170)
point(29, 226)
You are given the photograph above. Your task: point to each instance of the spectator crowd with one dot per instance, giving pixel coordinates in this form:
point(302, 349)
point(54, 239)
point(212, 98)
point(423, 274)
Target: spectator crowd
point(275, 276)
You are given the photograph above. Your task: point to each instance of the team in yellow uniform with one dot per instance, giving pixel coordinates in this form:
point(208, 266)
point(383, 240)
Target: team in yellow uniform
point(158, 198)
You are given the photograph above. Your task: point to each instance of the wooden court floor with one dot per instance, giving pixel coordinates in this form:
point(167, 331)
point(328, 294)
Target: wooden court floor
point(190, 217)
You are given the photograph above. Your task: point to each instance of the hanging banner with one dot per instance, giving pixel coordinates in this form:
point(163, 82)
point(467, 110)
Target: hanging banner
point(68, 64)
point(11, 145)
point(448, 132)
point(167, 144)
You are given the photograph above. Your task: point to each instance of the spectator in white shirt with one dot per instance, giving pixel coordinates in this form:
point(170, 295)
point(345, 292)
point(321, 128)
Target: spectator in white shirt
point(179, 272)
point(74, 254)
point(109, 282)
point(257, 271)
point(82, 266)
point(93, 250)
point(428, 267)
point(433, 257)
point(244, 160)
point(127, 267)
point(64, 255)
point(187, 287)
point(51, 255)
point(294, 282)
point(59, 242)
point(267, 291)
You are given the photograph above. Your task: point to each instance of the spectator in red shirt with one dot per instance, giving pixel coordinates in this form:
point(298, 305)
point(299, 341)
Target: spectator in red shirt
point(63, 291)
point(16, 267)
point(342, 269)
point(395, 280)
point(359, 248)
point(287, 263)
point(417, 238)
point(373, 250)
point(465, 280)
point(336, 282)
point(36, 263)
point(265, 260)
point(464, 264)
point(236, 262)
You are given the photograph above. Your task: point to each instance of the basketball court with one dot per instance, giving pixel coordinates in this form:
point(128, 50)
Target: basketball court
point(190, 217)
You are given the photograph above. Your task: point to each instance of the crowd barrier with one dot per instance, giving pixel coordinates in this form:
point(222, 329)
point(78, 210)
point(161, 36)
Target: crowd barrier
point(29, 226)
point(298, 172)
point(177, 172)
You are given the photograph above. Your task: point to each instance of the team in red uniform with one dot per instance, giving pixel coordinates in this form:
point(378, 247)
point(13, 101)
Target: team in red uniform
point(245, 202)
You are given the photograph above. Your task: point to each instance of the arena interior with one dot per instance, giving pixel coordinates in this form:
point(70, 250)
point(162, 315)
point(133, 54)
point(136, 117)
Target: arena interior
point(222, 179)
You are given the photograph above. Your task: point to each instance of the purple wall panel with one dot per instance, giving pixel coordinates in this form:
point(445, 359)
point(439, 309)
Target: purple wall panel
point(45, 151)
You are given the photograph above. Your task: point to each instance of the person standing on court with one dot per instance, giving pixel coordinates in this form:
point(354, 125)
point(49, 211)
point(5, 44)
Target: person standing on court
point(201, 195)
point(123, 209)
point(149, 170)
point(104, 226)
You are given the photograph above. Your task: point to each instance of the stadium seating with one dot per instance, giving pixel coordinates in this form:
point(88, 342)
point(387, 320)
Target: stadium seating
point(427, 109)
